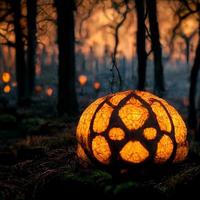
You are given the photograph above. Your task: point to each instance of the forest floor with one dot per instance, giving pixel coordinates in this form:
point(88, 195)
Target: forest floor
point(38, 161)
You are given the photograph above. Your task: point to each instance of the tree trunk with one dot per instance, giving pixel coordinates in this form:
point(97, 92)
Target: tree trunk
point(192, 93)
point(21, 71)
point(141, 51)
point(31, 51)
point(156, 47)
point(67, 100)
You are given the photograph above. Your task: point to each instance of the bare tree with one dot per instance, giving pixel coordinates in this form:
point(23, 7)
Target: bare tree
point(189, 8)
point(156, 46)
point(193, 85)
point(67, 100)
point(31, 50)
point(141, 50)
point(21, 69)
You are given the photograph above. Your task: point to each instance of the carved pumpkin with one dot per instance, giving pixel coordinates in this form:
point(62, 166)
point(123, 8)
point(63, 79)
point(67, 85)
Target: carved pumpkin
point(131, 127)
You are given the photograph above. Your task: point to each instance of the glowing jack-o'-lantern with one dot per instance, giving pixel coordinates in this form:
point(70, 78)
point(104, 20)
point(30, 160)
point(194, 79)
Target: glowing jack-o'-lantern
point(96, 85)
point(49, 91)
point(131, 127)
point(6, 77)
point(7, 89)
point(82, 80)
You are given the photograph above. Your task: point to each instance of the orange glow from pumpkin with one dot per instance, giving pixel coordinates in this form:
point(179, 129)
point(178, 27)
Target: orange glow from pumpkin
point(118, 97)
point(101, 149)
point(6, 77)
point(150, 133)
point(116, 134)
point(162, 117)
point(124, 115)
point(181, 152)
point(164, 149)
point(49, 91)
point(83, 129)
point(7, 89)
point(102, 118)
point(133, 116)
point(82, 79)
point(81, 153)
point(134, 152)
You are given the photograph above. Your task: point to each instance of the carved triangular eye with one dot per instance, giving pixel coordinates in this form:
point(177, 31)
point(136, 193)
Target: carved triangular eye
point(131, 127)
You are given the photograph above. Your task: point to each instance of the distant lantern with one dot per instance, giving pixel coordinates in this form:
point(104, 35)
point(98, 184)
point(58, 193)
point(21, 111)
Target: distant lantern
point(7, 89)
point(38, 89)
point(49, 91)
point(14, 84)
point(131, 128)
point(82, 79)
point(96, 85)
point(6, 77)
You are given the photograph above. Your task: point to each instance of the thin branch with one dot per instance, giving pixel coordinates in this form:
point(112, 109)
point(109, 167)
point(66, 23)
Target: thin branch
point(86, 17)
point(116, 35)
point(186, 4)
point(182, 18)
point(8, 42)
point(148, 34)
point(50, 18)
point(148, 54)
point(5, 15)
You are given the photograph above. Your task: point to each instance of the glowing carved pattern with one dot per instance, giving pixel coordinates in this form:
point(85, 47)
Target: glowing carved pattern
point(150, 133)
point(134, 152)
point(82, 132)
point(161, 116)
point(116, 134)
point(181, 152)
point(133, 116)
point(179, 125)
point(101, 149)
point(146, 96)
point(118, 97)
point(102, 118)
point(164, 149)
point(81, 153)
point(134, 102)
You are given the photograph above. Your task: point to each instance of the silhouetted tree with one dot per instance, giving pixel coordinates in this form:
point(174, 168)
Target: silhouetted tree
point(31, 50)
point(141, 37)
point(67, 100)
point(156, 47)
point(21, 70)
point(192, 93)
